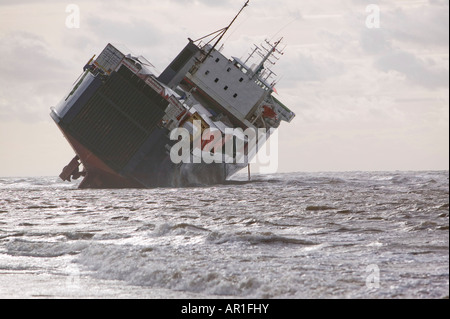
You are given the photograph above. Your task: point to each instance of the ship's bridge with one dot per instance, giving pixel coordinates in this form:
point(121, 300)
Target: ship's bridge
point(247, 70)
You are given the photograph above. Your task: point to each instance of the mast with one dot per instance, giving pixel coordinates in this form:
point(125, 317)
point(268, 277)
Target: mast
point(222, 32)
point(270, 52)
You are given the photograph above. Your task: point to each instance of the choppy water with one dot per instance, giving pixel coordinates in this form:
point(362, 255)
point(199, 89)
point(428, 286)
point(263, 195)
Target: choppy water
point(321, 235)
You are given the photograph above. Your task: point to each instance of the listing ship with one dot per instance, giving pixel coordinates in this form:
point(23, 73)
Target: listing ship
point(119, 115)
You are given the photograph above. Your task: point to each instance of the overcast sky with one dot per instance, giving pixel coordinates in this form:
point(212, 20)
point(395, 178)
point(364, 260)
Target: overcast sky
point(365, 98)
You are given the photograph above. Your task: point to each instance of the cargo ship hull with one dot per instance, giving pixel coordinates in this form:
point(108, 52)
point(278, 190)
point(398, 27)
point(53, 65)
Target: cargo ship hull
point(124, 119)
point(120, 146)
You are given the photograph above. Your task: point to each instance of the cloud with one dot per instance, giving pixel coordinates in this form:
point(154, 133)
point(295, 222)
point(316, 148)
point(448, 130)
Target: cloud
point(16, 2)
point(26, 57)
point(405, 40)
point(351, 87)
point(222, 3)
point(416, 71)
point(310, 67)
point(31, 76)
point(375, 41)
point(424, 25)
point(133, 32)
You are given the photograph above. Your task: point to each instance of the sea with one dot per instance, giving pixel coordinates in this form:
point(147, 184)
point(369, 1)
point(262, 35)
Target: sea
point(337, 235)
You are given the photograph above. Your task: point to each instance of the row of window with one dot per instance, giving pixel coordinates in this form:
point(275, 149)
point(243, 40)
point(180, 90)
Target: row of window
point(261, 84)
point(226, 87)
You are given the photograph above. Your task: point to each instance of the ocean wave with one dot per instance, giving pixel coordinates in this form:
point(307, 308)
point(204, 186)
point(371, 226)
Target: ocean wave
point(256, 239)
point(318, 208)
point(398, 179)
point(20, 247)
point(35, 183)
point(280, 236)
point(177, 229)
point(143, 266)
point(111, 236)
point(78, 235)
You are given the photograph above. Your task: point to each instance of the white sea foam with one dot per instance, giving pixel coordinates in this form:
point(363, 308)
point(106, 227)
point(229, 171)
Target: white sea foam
point(19, 247)
point(280, 236)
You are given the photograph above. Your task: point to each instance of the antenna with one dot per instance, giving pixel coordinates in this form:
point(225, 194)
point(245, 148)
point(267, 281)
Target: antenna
point(269, 54)
point(251, 54)
point(221, 32)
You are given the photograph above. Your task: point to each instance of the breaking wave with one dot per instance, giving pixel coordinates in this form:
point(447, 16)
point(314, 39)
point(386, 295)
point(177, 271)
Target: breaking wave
point(300, 235)
point(141, 266)
point(20, 247)
point(256, 239)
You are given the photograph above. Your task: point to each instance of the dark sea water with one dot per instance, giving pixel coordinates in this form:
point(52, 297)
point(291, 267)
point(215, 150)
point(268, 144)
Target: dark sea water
point(299, 235)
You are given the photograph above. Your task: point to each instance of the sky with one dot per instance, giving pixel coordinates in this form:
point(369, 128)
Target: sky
point(368, 80)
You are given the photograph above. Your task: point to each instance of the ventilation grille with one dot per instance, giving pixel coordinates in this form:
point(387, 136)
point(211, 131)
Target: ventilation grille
point(118, 118)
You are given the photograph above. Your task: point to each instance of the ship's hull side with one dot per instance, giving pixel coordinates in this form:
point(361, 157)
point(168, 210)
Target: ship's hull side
point(114, 124)
point(113, 127)
point(153, 169)
point(97, 173)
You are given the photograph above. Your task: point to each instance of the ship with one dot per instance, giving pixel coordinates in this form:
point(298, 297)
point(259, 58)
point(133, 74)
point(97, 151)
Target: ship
point(131, 126)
